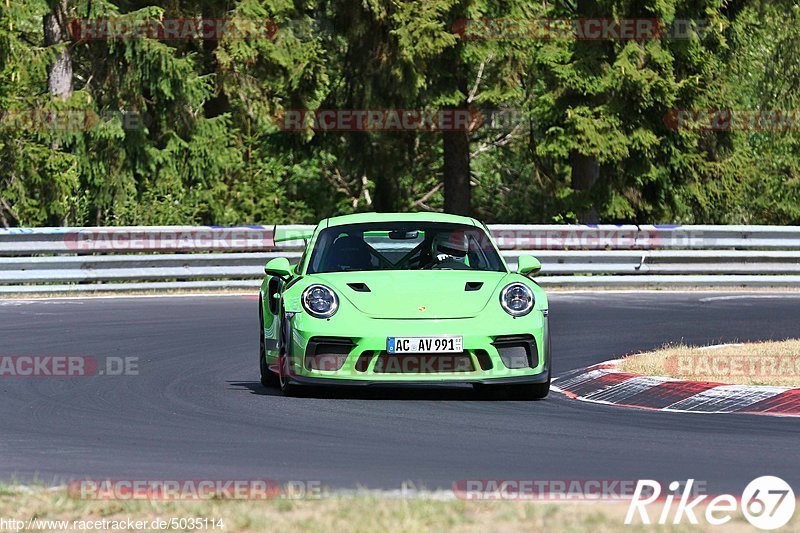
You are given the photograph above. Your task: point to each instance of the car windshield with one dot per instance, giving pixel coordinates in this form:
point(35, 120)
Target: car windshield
point(404, 246)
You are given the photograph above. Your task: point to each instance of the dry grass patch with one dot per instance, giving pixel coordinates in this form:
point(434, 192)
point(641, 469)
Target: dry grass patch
point(759, 363)
point(369, 513)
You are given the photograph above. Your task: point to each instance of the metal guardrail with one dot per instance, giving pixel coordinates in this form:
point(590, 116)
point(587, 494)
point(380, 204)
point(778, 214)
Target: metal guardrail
point(178, 257)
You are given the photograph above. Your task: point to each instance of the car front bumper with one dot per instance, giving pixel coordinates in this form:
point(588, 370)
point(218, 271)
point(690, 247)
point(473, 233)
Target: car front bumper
point(543, 377)
point(506, 352)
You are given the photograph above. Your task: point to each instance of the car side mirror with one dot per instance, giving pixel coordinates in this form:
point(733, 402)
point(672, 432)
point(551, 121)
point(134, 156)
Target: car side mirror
point(527, 264)
point(278, 267)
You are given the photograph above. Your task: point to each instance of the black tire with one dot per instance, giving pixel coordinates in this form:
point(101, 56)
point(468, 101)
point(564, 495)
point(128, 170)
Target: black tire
point(287, 387)
point(535, 391)
point(268, 378)
point(485, 392)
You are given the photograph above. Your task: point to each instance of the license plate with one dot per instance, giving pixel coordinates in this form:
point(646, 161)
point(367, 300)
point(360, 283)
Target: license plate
point(425, 344)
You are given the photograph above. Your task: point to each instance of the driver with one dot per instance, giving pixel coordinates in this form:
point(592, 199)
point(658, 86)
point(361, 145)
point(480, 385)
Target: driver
point(449, 250)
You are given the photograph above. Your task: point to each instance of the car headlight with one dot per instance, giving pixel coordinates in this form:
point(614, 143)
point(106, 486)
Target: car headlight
point(517, 299)
point(320, 301)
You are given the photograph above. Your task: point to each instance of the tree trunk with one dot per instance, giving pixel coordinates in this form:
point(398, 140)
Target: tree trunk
point(585, 173)
point(218, 104)
point(585, 168)
point(59, 74)
point(385, 193)
point(457, 193)
point(456, 174)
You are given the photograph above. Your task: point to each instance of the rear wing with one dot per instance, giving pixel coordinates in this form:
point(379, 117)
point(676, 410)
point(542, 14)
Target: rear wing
point(283, 234)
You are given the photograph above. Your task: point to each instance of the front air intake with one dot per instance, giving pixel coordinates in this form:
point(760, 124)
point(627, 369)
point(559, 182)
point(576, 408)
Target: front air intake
point(517, 351)
point(327, 353)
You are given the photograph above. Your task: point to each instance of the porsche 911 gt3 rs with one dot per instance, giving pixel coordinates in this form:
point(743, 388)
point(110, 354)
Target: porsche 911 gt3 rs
point(403, 299)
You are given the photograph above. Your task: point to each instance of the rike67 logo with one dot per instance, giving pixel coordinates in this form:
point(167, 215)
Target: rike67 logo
point(768, 502)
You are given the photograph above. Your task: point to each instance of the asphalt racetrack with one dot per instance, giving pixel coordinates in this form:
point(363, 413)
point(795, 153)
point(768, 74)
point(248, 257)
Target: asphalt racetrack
point(197, 411)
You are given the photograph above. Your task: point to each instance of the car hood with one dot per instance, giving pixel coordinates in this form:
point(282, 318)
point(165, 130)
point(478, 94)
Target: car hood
point(416, 294)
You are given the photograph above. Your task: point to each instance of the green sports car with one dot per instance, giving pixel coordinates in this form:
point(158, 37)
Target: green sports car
point(403, 299)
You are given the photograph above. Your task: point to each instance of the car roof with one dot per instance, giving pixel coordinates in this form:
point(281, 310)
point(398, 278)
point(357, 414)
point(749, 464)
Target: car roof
point(363, 218)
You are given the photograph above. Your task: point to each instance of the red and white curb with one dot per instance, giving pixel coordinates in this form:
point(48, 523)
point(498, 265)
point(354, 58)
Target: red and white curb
point(604, 383)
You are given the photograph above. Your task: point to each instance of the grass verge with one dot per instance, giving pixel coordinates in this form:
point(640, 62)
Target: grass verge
point(367, 513)
point(759, 363)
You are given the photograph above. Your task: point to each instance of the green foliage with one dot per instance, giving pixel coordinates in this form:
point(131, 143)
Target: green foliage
point(185, 131)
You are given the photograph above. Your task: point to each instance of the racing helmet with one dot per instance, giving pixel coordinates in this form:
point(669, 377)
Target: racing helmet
point(453, 244)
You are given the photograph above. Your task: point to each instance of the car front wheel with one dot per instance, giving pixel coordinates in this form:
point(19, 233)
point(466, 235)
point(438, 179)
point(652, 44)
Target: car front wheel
point(531, 391)
point(534, 391)
point(287, 387)
point(268, 378)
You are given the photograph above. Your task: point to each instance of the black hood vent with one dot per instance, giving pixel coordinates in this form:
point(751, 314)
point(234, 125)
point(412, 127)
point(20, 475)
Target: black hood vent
point(473, 285)
point(359, 287)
